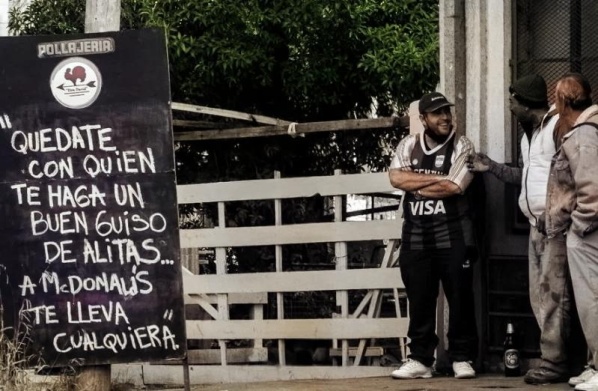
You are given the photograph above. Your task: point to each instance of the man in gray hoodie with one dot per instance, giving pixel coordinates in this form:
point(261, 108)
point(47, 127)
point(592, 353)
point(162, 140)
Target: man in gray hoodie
point(572, 203)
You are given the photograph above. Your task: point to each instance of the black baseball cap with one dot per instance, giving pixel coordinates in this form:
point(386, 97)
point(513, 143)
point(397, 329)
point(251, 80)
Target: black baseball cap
point(432, 102)
point(530, 91)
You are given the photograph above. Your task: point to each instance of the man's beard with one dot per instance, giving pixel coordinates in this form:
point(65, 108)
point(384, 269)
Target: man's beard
point(439, 138)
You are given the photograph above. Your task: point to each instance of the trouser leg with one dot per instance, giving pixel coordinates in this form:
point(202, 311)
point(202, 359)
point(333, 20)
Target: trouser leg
point(550, 297)
point(536, 249)
point(583, 263)
point(457, 281)
point(420, 277)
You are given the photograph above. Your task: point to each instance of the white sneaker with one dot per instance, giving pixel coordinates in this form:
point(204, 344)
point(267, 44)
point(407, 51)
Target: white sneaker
point(590, 385)
point(412, 369)
point(583, 377)
point(463, 370)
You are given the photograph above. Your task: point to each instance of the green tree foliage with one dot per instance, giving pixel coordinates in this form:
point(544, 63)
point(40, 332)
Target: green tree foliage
point(298, 60)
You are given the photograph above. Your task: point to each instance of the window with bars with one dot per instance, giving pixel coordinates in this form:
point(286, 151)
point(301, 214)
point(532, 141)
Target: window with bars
point(551, 38)
point(555, 37)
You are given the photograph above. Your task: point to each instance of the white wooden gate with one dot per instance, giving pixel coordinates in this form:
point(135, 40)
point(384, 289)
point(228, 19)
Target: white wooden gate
point(351, 332)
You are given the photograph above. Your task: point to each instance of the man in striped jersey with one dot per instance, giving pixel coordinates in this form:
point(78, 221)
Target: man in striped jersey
point(437, 239)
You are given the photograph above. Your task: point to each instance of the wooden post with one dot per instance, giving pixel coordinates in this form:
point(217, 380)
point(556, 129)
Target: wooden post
point(453, 85)
point(100, 16)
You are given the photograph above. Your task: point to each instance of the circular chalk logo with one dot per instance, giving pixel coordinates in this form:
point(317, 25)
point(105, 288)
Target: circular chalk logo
point(76, 82)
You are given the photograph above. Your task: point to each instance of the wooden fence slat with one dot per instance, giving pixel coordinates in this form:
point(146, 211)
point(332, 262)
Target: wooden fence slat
point(212, 356)
point(300, 281)
point(283, 188)
point(261, 119)
point(278, 130)
point(233, 298)
point(225, 289)
point(346, 231)
point(210, 374)
point(340, 328)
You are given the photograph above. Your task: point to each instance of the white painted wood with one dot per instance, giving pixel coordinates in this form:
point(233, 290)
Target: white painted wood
point(285, 188)
point(203, 303)
point(402, 338)
point(260, 119)
point(282, 354)
point(299, 128)
point(172, 375)
point(341, 263)
point(125, 374)
point(345, 231)
point(212, 356)
point(233, 298)
point(223, 285)
point(375, 302)
point(102, 15)
point(364, 302)
point(223, 309)
point(297, 328)
point(297, 281)
point(371, 351)
point(257, 313)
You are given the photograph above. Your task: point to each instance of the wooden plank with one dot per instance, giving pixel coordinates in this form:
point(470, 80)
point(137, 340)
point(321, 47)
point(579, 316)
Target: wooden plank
point(280, 129)
point(100, 16)
point(264, 189)
point(260, 119)
point(341, 263)
point(207, 307)
point(222, 301)
point(233, 298)
point(282, 350)
point(346, 231)
point(243, 374)
point(298, 281)
point(297, 328)
point(372, 351)
point(203, 124)
point(212, 356)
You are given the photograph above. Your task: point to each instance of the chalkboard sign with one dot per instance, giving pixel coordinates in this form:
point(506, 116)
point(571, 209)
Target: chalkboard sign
point(90, 258)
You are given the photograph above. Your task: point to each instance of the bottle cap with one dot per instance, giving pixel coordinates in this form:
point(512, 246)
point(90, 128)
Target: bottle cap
point(510, 329)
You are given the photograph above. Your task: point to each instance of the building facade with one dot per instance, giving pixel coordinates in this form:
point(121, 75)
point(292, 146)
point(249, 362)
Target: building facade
point(485, 44)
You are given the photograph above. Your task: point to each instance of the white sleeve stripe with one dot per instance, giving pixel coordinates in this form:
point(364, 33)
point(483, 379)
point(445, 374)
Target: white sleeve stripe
point(402, 158)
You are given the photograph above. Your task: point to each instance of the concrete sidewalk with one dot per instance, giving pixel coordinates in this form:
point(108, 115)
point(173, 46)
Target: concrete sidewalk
point(482, 383)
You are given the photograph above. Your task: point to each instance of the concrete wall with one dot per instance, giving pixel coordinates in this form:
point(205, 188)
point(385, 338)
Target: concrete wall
point(475, 58)
point(4, 6)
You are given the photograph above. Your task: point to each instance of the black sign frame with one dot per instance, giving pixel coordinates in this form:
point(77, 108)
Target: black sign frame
point(88, 209)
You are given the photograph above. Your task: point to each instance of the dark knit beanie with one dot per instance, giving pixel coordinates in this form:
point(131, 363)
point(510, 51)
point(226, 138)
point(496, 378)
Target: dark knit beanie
point(530, 90)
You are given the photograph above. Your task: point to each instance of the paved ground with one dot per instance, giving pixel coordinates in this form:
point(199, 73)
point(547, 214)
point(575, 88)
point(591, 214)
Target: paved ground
point(482, 383)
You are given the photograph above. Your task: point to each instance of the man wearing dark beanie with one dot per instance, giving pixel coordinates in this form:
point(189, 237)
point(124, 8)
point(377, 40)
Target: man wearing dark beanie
point(530, 91)
point(549, 284)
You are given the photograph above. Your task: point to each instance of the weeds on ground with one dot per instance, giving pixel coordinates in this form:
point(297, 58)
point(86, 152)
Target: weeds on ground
point(15, 358)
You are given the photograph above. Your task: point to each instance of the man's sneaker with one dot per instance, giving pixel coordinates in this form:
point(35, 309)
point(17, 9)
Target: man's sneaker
point(463, 370)
point(412, 369)
point(543, 375)
point(583, 377)
point(590, 385)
